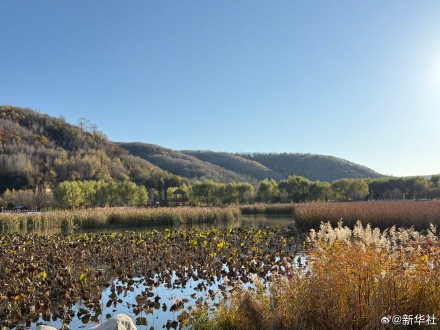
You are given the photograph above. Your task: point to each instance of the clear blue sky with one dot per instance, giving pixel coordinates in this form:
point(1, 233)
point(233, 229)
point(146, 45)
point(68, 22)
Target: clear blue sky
point(354, 79)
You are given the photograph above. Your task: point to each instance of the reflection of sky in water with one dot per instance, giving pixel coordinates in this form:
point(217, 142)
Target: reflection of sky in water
point(168, 296)
point(193, 290)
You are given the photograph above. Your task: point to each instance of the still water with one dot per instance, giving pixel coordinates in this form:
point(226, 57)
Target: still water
point(244, 221)
point(169, 302)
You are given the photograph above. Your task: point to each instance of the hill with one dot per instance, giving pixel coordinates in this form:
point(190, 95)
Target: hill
point(227, 167)
point(238, 164)
point(39, 150)
point(313, 167)
point(183, 164)
point(280, 166)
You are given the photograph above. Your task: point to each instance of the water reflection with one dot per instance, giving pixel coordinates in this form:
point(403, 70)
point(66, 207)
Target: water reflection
point(243, 222)
point(167, 302)
point(165, 305)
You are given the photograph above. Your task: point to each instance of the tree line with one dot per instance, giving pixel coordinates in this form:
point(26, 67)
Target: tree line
point(297, 189)
point(300, 189)
point(294, 189)
point(79, 194)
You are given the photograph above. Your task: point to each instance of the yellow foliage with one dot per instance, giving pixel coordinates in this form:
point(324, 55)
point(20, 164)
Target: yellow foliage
point(43, 274)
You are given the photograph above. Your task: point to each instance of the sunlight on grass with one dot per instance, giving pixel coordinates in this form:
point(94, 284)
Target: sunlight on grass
point(355, 277)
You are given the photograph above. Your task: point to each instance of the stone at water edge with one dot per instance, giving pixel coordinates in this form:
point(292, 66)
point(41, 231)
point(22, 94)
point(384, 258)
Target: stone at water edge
point(118, 322)
point(45, 327)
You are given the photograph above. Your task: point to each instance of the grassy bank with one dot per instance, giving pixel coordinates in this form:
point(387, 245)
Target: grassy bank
point(114, 217)
point(355, 278)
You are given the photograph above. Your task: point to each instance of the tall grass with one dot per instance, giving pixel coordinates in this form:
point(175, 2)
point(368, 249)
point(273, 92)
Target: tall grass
point(382, 214)
point(24, 222)
point(133, 217)
point(116, 217)
point(355, 278)
point(419, 214)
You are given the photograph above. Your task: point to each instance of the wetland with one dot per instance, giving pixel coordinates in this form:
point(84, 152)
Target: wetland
point(208, 268)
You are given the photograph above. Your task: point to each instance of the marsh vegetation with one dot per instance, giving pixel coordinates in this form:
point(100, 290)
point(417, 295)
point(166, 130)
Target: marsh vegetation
point(43, 276)
point(355, 278)
point(382, 214)
point(67, 221)
point(202, 278)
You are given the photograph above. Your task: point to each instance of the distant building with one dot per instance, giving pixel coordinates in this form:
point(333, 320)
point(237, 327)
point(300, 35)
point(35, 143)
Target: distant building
point(179, 197)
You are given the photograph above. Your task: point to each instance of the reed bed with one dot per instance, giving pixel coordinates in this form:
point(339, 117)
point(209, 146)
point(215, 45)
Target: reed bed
point(114, 217)
point(381, 214)
point(134, 217)
point(26, 222)
point(356, 278)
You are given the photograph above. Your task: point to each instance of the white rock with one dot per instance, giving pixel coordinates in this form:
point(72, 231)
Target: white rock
point(45, 327)
point(118, 322)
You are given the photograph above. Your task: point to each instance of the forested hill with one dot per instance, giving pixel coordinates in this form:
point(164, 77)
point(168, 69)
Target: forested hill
point(227, 167)
point(185, 165)
point(280, 166)
point(313, 167)
point(39, 150)
point(237, 163)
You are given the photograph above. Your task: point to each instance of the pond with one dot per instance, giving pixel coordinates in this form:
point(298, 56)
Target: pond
point(273, 221)
point(214, 260)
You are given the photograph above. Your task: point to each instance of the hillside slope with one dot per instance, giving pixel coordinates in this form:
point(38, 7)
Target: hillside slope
point(39, 150)
point(313, 167)
point(182, 164)
point(237, 164)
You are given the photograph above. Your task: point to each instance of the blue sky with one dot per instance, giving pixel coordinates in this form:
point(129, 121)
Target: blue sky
point(354, 79)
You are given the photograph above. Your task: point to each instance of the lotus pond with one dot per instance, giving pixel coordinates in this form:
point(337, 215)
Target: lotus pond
point(244, 221)
point(158, 277)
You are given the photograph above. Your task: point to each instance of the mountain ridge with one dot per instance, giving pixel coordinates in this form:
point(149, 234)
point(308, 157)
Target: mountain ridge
point(251, 167)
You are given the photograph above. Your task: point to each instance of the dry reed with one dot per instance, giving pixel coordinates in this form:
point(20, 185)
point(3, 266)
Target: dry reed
point(381, 214)
point(355, 278)
point(116, 217)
